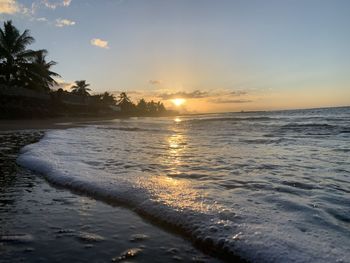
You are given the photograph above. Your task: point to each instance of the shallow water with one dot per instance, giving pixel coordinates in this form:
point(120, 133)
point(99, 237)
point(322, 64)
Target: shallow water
point(41, 223)
point(267, 186)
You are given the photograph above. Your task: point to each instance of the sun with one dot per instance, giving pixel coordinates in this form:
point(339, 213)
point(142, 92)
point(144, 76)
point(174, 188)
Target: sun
point(178, 102)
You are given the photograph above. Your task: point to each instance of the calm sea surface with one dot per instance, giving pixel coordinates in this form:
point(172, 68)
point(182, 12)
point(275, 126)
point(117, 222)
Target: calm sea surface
point(267, 186)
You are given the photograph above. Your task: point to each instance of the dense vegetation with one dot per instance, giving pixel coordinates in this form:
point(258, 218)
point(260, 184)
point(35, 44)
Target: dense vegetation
point(27, 82)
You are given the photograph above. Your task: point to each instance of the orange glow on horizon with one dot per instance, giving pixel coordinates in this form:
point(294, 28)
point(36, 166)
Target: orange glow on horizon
point(178, 101)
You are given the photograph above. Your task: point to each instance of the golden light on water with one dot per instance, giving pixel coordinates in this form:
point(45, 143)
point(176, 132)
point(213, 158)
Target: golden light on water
point(178, 101)
point(172, 189)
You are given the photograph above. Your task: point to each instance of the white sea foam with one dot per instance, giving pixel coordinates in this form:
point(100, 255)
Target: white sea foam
point(270, 203)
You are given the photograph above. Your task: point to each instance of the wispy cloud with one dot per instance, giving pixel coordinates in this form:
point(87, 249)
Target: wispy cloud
point(66, 2)
point(197, 94)
point(14, 7)
point(228, 101)
point(238, 93)
point(9, 7)
point(64, 22)
point(155, 82)
point(62, 84)
point(55, 4)
point(212, 96)
point(99, 43)
point(42, 19)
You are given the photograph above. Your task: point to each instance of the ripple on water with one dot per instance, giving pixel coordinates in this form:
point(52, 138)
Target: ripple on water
point(89, 237)
point(260, 172)
point(17, 238)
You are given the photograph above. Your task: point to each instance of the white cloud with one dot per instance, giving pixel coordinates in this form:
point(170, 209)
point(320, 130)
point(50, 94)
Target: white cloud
point(14, 7)
point(63, 84)
point(66, 2)
point(64, 22)
point(42, 19)
point(9, 7)
point(99, 43)
point(55, 4)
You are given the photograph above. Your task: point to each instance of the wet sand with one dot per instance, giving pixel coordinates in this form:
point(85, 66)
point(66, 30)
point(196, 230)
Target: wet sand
point(47, 124)
point(42, 223)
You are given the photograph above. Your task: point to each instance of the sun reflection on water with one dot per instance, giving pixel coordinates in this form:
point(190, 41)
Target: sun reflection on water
point(178, 194)
point(176, 148)
point(172, 186)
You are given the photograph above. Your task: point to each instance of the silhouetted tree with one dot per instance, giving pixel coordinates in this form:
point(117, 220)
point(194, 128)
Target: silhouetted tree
point(81, 88)
point(108, 99)
point(152, 107)
point(142, 106)
point(38, 75)
point(125, 103)
point(160, 107)
point(21, 66)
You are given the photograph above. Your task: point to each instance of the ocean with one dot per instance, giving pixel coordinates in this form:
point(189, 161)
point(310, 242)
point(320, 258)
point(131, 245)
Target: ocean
point(265, 186)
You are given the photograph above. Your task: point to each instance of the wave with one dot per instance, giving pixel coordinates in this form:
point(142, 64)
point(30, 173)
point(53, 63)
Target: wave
point(263, 141)
point(130, 129)
point(197, 224)
point(230, 119)
point(234, 224)
point(314, 128)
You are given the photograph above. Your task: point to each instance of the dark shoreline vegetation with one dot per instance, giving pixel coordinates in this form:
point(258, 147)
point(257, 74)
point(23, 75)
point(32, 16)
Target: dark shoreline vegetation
point(27, 82)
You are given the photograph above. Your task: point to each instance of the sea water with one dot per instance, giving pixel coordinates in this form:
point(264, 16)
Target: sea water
point(266, 186)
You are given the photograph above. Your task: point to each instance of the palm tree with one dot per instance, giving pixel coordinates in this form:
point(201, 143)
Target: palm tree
point(142, 106)
point(47, 75)
point(22, 66)
point(152, 107)
point(123, 98)
point(160, 107)
point(37, 74)
point(125, 103)
point(80, 88)
point(108, 98)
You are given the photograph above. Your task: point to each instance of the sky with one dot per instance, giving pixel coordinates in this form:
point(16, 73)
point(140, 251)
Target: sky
point(218, 55)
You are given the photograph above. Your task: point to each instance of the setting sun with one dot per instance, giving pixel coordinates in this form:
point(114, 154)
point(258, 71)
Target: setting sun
point(178, 102)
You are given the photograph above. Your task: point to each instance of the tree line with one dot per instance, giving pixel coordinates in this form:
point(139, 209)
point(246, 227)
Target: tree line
point(142, 107)
point(27, 68)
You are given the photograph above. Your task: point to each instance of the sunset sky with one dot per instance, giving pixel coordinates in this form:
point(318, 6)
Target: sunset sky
point(217, 55)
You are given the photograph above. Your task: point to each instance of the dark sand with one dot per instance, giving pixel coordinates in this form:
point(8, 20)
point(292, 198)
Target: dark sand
point(42, 223)
point(47, 124)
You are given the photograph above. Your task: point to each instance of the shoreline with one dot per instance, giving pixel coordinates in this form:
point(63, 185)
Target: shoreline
point(92, 228)
point(39, 128)
point(49, 124)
